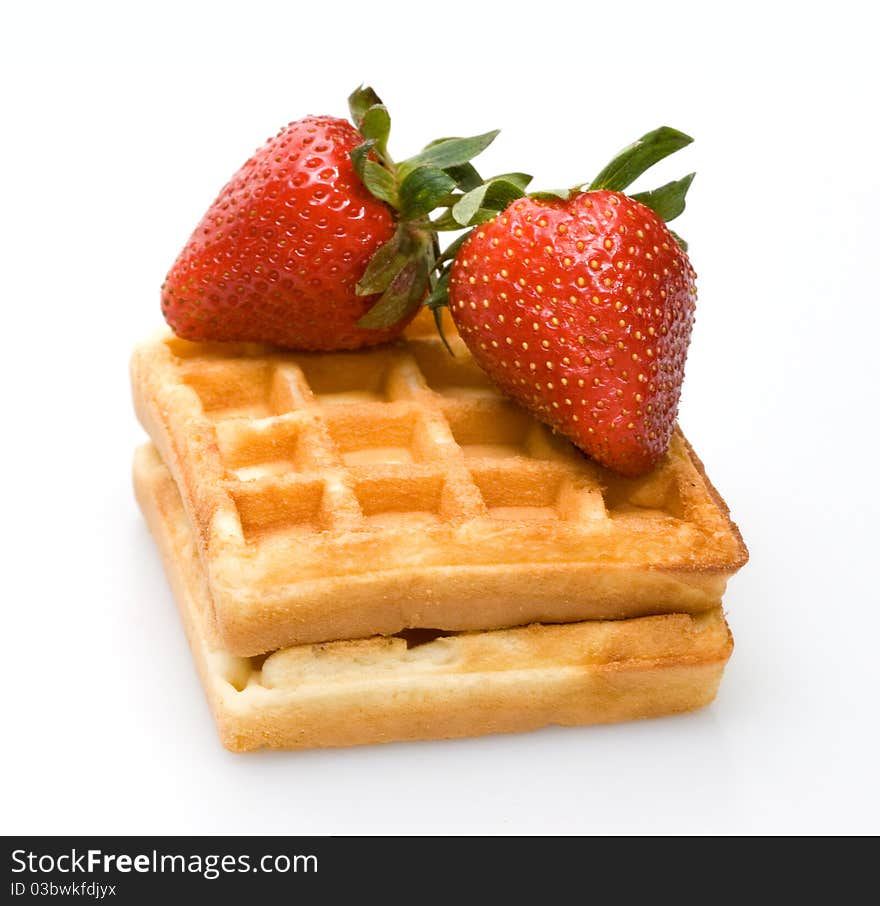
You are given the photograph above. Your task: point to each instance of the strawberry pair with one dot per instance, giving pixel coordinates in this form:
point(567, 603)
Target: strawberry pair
point(577, 304)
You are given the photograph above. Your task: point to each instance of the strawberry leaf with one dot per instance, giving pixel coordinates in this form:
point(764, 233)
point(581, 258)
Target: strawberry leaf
point(376, 125)
point(484, 215)
point(380, 182)
point(423, 190)
point(360, 155)
point(494, 195)
point(437, 312)
point(466, 176)
point(436, 302)
point(360, 101)
point(385, 264)
point(450, 152)
point(445, 222)
point(440, 294)
point(404, 293)
point(667, 201)
point(464, 210)
point(633, 160)
point(679, 240)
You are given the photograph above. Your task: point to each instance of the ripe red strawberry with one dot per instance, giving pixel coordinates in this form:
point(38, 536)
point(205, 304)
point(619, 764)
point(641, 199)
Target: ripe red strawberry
point(320, 241)
point(278, 255)
point(581, 310)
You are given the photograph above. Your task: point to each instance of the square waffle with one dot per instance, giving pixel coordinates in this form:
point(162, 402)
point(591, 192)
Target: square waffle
point(346, 495)
point(429, 685)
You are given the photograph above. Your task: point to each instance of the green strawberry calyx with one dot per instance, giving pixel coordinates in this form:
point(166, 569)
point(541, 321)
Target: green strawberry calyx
point(410, 269)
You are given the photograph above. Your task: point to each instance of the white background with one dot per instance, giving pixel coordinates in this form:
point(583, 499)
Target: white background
point(120, 127)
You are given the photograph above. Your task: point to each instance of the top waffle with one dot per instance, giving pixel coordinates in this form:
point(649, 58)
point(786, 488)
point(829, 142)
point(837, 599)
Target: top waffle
point(345, 495)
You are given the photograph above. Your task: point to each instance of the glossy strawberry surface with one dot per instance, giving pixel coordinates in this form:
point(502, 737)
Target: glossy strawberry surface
point(581, 310)
point(277, 256)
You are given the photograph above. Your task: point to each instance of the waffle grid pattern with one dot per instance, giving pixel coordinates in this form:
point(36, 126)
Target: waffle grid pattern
point(351, 442)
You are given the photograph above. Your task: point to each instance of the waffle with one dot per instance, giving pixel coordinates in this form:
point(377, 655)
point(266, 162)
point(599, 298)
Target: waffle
point(424, 686)
point(340, 496)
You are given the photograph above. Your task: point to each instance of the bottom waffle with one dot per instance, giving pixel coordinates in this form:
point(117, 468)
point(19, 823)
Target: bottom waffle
point(425, 685)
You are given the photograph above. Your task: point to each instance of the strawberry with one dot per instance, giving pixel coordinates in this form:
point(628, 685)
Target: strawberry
point(320, 241)
point(580, 305)
point(278, 255)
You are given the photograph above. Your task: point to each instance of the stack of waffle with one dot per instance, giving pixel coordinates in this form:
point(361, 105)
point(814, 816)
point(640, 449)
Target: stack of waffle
point(379, 546)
